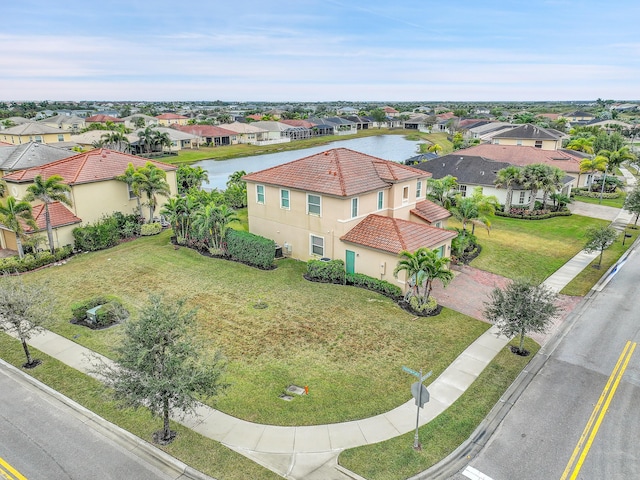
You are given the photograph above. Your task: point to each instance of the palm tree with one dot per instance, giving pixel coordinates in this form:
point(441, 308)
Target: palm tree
point(48, 191)
point(146, 137)
point(213, 221)
point(162, 139)
point(486, 205)
point(534, 178)
point(3, 188)
point(508, 177)
point(581, 144)
point(13, 214)
point(615, 158)
point(553, 182)
point(129, 178)
point(152, 181)
point(434, 148)
point(440, 189)
point(591, 165)
point(422, 267)
point(116, 141)
point(177, 213)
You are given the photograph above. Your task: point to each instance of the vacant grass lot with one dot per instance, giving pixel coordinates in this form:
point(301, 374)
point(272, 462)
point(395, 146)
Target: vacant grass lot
point(530, 249)
point(347, 344)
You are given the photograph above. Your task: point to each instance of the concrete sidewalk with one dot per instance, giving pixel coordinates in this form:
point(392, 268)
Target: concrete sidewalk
point(311, 453)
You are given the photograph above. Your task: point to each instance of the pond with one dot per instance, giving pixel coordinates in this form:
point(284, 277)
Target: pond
point(387, 147)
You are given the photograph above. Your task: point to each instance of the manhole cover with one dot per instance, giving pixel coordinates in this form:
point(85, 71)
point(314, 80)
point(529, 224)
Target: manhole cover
point(295, 389)
point(286, 398)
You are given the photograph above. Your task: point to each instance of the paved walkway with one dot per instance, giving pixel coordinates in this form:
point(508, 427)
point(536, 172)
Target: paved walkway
point(311, 453)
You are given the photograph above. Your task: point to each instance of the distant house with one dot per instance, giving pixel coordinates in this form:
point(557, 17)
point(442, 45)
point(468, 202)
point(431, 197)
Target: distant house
point(64, 122)
point(578, 117)
point(247, 133)
point(168, 119)
point(347, 111)
point(390, 111)
point(210, 134)
point(275, 131)
point(342, 126)
point(94, 190)
point(342, 204)
point(134, 121)
point(102, 119)
point(35, 132)
point(529, 135)
point(28, 155)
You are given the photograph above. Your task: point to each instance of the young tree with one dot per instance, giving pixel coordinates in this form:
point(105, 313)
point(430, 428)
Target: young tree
point(434, 148)
point(152, 181)
point(159, 366)
point(24, 311)
point(13, 214)
point(441, 189)
point(599, 239)
point(213, 221)
point(521, 308)
point(48, 191)
point(632, 203)
point(379, 116)
point(592, 165)
point(129, 178)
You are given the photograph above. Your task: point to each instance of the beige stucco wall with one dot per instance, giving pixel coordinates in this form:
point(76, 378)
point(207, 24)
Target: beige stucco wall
point(546, 144)
point(48, 138)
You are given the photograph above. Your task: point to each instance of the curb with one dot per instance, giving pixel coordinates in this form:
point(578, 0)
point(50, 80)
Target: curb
point(457, 460)
point(142, 449)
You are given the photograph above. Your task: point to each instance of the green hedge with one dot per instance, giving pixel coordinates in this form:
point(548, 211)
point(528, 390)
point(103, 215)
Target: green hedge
point(534, 217)
point(593, 194)
point(32, 261)
point(328, 272)
point(381, 286)
point(97, 236)
point(252, 249)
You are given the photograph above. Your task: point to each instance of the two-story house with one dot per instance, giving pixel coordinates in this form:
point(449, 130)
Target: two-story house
point(35, 132)
point(529, 135)
point(343, 204)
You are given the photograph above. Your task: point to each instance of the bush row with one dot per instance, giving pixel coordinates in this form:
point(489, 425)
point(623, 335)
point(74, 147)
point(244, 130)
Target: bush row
point(537, 214)
point(333, 271)
point(596, 194)
point(107, 232)
point(252, 249)
point(32, 261)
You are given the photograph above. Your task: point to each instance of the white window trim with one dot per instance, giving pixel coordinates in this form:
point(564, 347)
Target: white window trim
point(319, 214)
point(288, 207)
point(264, 194)
point(354, 202)
point(311, 245)
point(405, 198)
point(418, 188)
point(380, 200)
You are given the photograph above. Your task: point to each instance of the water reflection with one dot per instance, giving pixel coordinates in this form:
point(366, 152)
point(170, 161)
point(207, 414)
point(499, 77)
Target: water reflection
point(388, 147)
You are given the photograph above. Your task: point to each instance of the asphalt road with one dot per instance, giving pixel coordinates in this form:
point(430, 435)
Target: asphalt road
point(588, 389)
point(43, 439)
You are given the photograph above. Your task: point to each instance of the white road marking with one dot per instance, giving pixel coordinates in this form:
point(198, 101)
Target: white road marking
point(474, 474)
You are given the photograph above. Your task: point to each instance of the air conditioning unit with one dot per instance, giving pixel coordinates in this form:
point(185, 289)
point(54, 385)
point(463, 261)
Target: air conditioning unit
point(287, 248)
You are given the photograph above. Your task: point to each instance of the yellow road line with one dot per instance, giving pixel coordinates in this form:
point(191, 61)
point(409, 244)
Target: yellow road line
point(7, 471)
point(598, 413)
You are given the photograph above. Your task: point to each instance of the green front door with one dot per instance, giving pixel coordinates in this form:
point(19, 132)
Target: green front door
point(351, 262)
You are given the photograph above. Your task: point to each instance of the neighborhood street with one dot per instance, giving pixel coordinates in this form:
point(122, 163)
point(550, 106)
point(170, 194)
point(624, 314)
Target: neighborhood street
point(578, 417)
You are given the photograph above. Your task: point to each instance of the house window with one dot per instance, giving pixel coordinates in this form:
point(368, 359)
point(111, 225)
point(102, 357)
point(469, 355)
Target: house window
point(354, 207)
point(438, 224)
point(132, 195)
point(284, 199)
point(260, 193)
point(61, 138)
point(440, 252)
point(538, 144)
point(522, 195)
point(405, 194)
point(496, 141)
point(463, 190)
point(317, 245)
point(519, 142)
point(419, 189)
point(380, 200)
point(313, 204)
point(38, 139)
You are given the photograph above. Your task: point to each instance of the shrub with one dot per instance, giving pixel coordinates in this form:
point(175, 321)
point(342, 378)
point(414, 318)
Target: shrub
point(419, 305)
point(97, 236)
point(150, 229)
point(381, 286)
point(112, 310)
point(327, 272)
point(535, 215)
point(251, 249)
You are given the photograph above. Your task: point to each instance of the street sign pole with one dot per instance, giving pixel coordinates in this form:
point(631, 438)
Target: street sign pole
point(416, 438)
point(418, 395)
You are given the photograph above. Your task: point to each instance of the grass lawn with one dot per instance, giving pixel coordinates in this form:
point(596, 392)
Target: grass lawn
point(395, 458)
point(586, 279)
point(608, 202)
point(226, 152)
point(199, 452)
point(347, 344)
point(530, 249)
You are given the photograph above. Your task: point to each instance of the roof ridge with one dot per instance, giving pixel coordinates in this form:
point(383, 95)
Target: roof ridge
point(343, 187)
point(400, 236)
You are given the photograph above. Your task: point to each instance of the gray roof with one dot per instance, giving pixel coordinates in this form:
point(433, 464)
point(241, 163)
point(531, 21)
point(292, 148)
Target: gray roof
point(29, 155)
point(467, 169)
point(30, 128)
point(529, 131)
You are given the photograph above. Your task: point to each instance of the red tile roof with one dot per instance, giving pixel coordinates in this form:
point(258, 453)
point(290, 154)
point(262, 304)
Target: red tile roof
point(204, 130)
point(171, 116)
point(430, 212)
point(394, 235)
point(523, 156)
point(340, 172)
point(101, 118)
point(93, 166)
point(60, 216)
point(255, 116)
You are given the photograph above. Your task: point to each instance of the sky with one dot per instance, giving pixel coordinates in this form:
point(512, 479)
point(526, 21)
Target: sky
point(317, 51)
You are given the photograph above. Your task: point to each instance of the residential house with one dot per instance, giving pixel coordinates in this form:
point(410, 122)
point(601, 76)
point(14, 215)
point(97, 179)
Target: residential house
point(247, 133)
point(485, 132)
point(209, 134)
point(28, 155)
point(12, 122)
point(168, 119)
point(342, 126)
point(362, 123)
point(102, 119)
point(343, 204)
point(93, 138)
point(529, 135)
point(391, 112)
point(275, 131)
point(344, 111)
point(64, 122)
point(179, 140)
point(578, 117)
point(35, 132)
point(95, 192)
point(133, 121)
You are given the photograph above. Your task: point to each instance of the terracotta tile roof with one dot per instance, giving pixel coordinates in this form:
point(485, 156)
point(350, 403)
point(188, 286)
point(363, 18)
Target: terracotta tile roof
point(60, 216)
point(445, 116)
point(93, 166)
point(340, 172)
point(101, 118)
point(394, 235)
point(255, 116)
point(390, 110)
point(523, 156)
point(430, 212)
point(171, 116)
point(204, 130)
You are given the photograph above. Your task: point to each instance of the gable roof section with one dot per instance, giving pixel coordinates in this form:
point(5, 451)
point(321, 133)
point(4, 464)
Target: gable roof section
point(529, 131)
point(102, 118)
point(298, 123)
point(340, 172)
point(31, 128)
point(524, 155)
point(238, 127)
point(59, 214)
point(468, 169)
point(393, 235)
point(430, 212)
point(93, 166)
point(32, 154)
